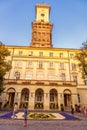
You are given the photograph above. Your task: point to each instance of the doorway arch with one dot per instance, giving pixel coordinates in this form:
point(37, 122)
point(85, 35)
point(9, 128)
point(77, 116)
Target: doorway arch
point(39, 99)
point(24, 98)
point(53, 99)
point(10, 98)
point(67, 98)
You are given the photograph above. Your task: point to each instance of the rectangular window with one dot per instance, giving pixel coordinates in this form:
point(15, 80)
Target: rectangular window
point(18, 64)
point(29, 75)
point(51, 65)
point(20, 52)
point(74, 78)
point(51, 54)
point(29, 65)
point(61, 55)
point(62, 76)
point(51, 76)
point(40, 54)
point(39, 75)
point(73, 66)
point(39, 97)
point(51, 98)
point(40, 64)
point(62, 66)
point(71, 55)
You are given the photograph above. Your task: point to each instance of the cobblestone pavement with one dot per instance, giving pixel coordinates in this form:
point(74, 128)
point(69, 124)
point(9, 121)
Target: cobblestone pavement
point(11, 124)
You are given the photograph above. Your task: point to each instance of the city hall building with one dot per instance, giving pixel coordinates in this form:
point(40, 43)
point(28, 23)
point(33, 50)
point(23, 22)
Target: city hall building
point(43, 77)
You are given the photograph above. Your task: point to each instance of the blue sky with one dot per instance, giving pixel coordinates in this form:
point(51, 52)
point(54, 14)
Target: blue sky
point(69, 18)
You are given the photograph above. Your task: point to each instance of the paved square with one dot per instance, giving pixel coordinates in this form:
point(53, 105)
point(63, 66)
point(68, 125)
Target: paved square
point(13, 124)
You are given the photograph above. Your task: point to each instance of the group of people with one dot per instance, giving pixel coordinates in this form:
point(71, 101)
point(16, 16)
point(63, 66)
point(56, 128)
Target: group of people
point(15, 110)
point(79, 110)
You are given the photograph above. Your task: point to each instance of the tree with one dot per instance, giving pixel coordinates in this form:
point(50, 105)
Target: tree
point(81, 57)
point(4, 64)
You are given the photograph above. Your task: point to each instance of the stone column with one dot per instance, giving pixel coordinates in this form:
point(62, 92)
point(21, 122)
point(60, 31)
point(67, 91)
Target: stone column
point(46, 101)
point(31, 100)
point(59, 102)
point(61, 97)
point(18, 98)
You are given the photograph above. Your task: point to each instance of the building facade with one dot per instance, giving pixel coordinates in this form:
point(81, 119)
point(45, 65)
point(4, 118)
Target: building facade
point(43, 77)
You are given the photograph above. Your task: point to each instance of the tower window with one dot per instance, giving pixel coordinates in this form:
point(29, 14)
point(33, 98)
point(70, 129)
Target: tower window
point(62, 66)
point(51, 54)
point(40, 54)
point(61, 55)
point(20, 52)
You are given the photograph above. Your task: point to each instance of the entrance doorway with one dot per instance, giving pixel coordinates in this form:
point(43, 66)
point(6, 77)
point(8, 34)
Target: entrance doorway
point(67, 99)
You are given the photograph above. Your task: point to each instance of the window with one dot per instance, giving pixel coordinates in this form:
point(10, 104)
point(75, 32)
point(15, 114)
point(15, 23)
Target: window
point(18, 64)
point(74, 78)
point(25, 95)
point(62, 76)
point(39, 75)
point(73, 66)
point(20, 52)
point(51, 54)
point(39, 95)
point(61, 65)
point(71, 55)
point(29, 75)
point(51, 76)
point(40, 64)
point(40, 54)
point(51, 97)
point(61, 55)
point(29, 65)
point(85, 80)
point(51, 65)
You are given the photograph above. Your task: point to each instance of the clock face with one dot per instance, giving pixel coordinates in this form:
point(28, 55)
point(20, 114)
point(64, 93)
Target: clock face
point(42, 14)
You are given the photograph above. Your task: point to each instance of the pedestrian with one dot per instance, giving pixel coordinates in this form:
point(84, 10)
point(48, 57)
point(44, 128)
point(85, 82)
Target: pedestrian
point(72, 110)
point(79, 109)
point(25, 116)
point(15, 109)
point(84, 111)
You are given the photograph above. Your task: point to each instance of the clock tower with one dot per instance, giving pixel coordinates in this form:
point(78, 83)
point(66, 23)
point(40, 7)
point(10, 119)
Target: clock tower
point(42, 28)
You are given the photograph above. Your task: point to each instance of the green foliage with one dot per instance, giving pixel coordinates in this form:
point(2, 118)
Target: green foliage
point(81, 57)
point(4, 65)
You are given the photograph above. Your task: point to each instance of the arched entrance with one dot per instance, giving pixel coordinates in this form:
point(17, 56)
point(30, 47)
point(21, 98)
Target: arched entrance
point(10, 98)
point(67, 98)
point(53, 99)
point(39, 97)
point(24, 98)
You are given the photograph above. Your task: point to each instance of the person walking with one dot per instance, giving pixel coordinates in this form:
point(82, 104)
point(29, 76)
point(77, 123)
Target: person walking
point(15, 110)
point(25, 116)
point(84, 111)
point(72, 110)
